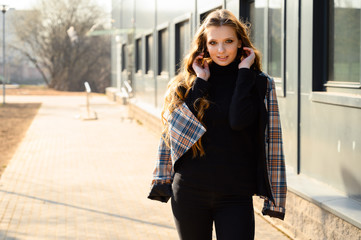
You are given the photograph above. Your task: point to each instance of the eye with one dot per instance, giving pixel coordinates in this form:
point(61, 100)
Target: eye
point(229, 41)
point(212, 42)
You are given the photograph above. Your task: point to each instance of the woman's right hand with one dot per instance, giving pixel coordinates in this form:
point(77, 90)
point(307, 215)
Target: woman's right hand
point(202, 71)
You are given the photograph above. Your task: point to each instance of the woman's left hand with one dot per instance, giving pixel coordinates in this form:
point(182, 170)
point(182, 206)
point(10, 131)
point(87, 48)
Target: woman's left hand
point(249, 60)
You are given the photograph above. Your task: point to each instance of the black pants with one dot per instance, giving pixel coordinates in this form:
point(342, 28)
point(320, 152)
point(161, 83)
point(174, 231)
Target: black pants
point(195, 211)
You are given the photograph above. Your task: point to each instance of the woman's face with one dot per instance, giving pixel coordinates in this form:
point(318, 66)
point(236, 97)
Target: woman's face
point(222, 44)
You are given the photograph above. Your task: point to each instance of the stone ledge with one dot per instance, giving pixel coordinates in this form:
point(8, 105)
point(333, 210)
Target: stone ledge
point(326, 197)
point(111, 92)
point(341, 99)
point(146, 115)
point(305, 220)
point(316, 211)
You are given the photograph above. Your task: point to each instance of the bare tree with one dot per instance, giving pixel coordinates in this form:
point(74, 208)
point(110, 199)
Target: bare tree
point(55, 37)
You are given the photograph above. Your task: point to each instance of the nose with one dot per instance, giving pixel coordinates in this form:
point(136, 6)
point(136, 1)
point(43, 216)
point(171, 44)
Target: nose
point(220, 48)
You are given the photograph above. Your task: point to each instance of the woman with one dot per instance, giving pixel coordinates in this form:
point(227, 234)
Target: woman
point(222, 138)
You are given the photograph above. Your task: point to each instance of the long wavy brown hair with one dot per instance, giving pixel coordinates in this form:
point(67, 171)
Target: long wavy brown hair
point(179, 86)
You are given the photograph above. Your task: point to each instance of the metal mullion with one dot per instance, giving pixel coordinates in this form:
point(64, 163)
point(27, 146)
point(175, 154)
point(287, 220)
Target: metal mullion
point(155, 54)
point(299, 90)
point(195, 19)
point(119, 62)
point(283, 49)
point(265, 39)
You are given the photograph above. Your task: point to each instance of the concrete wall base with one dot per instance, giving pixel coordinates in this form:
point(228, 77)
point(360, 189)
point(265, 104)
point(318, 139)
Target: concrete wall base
point(111, 92)
point(115, 95)
point(305, 220)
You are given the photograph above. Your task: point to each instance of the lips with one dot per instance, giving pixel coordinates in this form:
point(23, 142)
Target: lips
point(222, 58)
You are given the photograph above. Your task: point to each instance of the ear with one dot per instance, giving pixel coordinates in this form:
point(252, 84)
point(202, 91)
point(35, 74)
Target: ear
point(239, 44)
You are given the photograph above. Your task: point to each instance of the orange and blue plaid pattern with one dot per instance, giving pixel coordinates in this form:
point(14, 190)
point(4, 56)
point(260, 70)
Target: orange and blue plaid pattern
point(185, 130)
point(274, 151)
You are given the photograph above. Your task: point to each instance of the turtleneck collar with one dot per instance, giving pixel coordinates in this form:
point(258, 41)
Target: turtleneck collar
point(230, 69)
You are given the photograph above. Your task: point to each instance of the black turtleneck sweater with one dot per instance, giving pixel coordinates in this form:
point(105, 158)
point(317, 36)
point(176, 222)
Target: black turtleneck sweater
point(229, 164)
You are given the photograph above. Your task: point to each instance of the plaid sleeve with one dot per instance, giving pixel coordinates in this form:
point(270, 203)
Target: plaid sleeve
point(275, 158)
point(163, 172)
point(161, 189)
point(184, 131)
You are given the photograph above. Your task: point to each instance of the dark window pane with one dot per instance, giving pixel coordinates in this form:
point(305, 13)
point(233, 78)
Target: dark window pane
point(138, 53)
point(344, 41)
point(124, 57)
point(149, 53)
point(182, 42)
point(163, 51)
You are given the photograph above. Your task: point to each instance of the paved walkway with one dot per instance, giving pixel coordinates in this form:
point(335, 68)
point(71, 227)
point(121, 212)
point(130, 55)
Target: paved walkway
point(74, 179)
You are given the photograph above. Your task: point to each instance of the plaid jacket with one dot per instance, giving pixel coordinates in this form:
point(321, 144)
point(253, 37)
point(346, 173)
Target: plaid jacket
point(185, 130)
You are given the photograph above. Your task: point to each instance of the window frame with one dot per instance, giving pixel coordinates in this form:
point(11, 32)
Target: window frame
point(324, 91)
point(332, 83)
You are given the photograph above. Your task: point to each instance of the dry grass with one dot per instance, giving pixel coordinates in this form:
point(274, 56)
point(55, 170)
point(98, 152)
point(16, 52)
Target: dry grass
point(40, 90)
point(15, 118)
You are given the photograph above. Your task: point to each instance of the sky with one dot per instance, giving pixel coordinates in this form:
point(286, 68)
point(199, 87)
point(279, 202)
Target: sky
point(26, 4)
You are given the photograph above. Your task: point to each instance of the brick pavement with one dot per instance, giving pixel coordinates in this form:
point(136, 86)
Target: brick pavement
point(74, 179)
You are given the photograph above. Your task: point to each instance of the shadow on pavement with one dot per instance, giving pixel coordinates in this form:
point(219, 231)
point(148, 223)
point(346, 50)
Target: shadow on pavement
point(89, 210)
point(4, 235)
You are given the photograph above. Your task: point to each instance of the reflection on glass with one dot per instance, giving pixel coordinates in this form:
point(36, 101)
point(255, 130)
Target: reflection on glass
point(268, 38)
point(257, 13)
point(344, 41)
point(274, 38)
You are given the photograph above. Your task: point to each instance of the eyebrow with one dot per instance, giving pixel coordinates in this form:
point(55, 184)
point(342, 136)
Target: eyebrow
point(227, 38)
